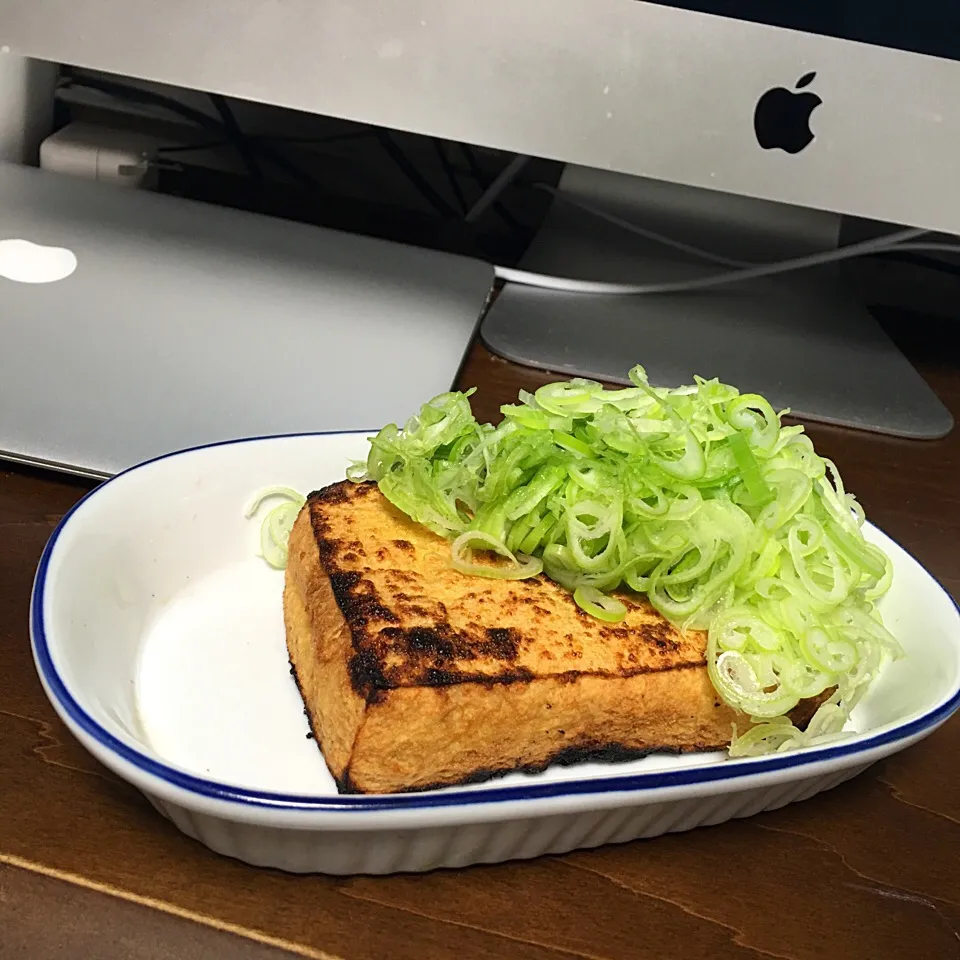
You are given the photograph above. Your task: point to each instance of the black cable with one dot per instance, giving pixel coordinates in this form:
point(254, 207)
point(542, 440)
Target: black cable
point(318, 141)
point(484, 182)
point(124, 91)
point(259, 138)
point(192, 147)
point(919, 260)
point(416, 179)
point(236, 136)
point(451, 174)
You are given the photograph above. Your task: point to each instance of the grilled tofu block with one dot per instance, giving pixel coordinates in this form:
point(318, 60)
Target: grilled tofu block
point(415, 676)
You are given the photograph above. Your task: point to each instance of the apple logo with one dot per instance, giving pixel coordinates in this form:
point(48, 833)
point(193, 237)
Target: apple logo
point(782, 117)
point(26, 262)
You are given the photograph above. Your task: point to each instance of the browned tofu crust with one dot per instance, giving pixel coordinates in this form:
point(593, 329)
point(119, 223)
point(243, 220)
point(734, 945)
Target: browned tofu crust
point(415, 676)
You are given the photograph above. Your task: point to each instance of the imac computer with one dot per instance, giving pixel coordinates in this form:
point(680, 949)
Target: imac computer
point(741, 129)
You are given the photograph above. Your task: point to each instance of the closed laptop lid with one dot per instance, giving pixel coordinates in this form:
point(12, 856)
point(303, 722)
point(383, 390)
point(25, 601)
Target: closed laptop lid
point(185, 323)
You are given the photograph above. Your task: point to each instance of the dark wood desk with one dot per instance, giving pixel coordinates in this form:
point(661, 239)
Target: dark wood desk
point(869, 871)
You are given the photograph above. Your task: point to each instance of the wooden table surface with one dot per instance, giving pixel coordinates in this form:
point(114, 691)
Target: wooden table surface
point(868, 871)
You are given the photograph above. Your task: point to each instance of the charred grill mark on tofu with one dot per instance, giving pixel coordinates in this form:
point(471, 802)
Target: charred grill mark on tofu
point(367, 677)
point(429, 656)
point(359, 600)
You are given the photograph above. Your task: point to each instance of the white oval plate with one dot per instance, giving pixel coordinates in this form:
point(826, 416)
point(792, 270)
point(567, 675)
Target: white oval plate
point(158, 636)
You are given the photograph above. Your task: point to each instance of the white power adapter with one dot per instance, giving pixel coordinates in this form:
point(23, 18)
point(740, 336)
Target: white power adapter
point(101, 153)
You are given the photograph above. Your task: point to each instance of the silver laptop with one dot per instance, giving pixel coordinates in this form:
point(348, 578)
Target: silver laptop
point(185, 323)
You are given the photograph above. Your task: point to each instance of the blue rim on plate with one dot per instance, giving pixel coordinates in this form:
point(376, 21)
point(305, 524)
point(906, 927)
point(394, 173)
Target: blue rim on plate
point(211, 789)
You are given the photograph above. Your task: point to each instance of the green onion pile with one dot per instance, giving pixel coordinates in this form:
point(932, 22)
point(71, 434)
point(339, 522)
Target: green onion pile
point(698, 498)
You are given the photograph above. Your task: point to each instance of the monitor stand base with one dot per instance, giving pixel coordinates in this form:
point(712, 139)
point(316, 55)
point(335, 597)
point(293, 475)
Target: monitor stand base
point(802, 341)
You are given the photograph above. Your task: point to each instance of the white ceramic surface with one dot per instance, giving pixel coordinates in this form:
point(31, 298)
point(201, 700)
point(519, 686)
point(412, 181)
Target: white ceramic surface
point(158, 636)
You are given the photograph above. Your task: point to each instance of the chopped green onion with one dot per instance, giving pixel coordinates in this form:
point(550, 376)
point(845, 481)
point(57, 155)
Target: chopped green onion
point(567, 442)
point(276, 526)
point(696, 497)
point(599, 605)
point(268, 493)
point(517, 567)
point(759, 492)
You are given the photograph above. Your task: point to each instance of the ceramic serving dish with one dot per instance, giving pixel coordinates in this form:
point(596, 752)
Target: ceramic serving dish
point(158, 636)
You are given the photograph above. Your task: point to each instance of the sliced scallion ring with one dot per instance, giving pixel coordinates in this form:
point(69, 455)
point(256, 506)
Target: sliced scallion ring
point(276, 526)
point(517, 566)
point(267, 493)
point(600, 605)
